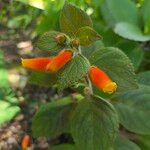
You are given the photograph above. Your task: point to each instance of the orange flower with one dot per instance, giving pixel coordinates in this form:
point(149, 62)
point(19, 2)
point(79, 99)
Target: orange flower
point(101, 80)
point(37, 64)
point(25, 142)
point(59, 61)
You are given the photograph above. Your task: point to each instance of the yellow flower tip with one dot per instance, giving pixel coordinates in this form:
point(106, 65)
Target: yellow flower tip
point(110, 87)
point(23, 62)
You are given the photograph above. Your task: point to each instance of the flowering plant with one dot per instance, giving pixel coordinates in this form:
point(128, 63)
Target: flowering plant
point(96, 73)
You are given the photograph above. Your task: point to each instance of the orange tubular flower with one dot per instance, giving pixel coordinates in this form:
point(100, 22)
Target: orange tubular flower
point(101, 80)
point(25, 142)
point(37, 64)
point(59, 61)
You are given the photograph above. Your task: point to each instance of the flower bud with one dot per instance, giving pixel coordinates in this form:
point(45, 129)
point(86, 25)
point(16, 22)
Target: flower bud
point(60, 38)
point(36, 64)
point(59, 61)
point(76, 43)
point(25, 142)
point(101, 80)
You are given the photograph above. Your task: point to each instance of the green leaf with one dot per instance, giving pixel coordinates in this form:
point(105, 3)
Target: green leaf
point(3, 72)
point(7, 111)
point(87, 36)
point(73, 18)
point(144, 78)
point(94, 124)
point(53, 118)
point(133, 51)
point(122, 143)
point(4, 78)
point(146, 16)
point(63, 147)
point(47, 42)
point(143, 142)
point(117, 65)
point(75, 70)
point(134, 110)
point(130, 31)
point(87, 51)
point(43, 79)
point(115, 11)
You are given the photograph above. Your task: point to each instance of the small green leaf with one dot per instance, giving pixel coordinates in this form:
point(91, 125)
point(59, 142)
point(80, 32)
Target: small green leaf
point(134, 110)
point(53, 118)
point(75, 70)
point(144, 78)
point(117, 65)
point(47, 42)
point(7, 111)
point(122, 143)
point(43, 79)
point(115, 11)
point(146, 16)
point(87, 36)
point(73, 18)
point(94, 124)
point(63, 147)
point(130, 31)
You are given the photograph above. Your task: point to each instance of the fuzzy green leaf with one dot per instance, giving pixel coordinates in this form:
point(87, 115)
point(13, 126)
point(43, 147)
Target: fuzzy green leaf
point(94, 124)
point(134, 110)
point(47, 42)
point(87, 36)
point(117, 65)
point(53, 118)
point(43, 79)
point(73, 18)
point(130, 31)
point(75, 70)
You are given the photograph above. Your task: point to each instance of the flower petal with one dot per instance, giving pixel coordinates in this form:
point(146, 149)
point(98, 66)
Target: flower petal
point(37, 64)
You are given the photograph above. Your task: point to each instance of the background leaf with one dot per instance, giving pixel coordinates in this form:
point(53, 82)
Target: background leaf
point(143, 142)
point(122, 143)
point(146, 16)
point(115, 11)
point(7, 111)
point(94, 124)
point(73, 18)
point(64, 147)
point(75, 70)
point(134, 110)
point(144, 78)
point(130, 31)
point(133, 51)
point(117, 65)
point(8, 101)
point(87, 36)
point(53, 118)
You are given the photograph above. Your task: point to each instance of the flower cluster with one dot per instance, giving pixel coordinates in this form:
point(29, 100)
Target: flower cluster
point(53, 64)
